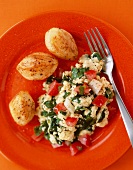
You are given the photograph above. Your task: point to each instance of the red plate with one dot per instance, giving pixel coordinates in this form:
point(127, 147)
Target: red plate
point(109, 143)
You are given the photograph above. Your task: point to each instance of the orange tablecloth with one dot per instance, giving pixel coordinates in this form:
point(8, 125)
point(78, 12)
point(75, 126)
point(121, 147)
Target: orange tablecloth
point(118, 13)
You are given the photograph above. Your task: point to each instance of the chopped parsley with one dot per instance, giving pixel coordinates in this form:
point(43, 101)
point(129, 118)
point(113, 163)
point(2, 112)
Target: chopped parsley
point(78, 72)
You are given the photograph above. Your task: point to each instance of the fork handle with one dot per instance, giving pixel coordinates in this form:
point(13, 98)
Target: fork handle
point(128, 122)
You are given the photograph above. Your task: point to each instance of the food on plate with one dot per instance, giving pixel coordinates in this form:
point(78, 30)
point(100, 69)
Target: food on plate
point(22, 108)
point(75, 105)
point(74, 102)
point(61, 43)
point(37, 66)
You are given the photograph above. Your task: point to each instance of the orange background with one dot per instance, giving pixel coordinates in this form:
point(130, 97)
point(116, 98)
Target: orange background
point(117, 12)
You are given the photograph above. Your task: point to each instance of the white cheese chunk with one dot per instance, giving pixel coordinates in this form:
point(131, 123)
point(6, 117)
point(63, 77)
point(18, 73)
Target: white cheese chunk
point(95, 85)
point(69, 105)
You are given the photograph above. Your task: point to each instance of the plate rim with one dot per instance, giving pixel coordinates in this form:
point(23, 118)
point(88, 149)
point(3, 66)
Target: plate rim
point(75, 12)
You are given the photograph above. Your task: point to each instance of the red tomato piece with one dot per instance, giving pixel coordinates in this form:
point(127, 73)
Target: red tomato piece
point(90, 74)
point(37, 138)
point(77, 89)
point(99, 100)
point(67, 143)
point(58, 73)
point(112, 112)
point(76, 147)
point(86, 89)
point(71, 121)
point(85, 139)
point(54, 88)
point(59, 107)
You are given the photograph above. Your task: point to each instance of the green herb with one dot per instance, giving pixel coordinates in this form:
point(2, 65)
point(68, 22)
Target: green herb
point(78, 72)
point(66, 78)
point(50, 80)
point(81, 90)
point(59, 88)
point(108, 93)
point(76, 99)
point(37, 130)
point(59, 141)
point(57, 121)
point(97, 55)
point(90, 128)
point(80, 108)
point(47, 136)
point(45, 126)
point(46, 114)
point(66, 94)
point(63, 113)
point(102, 116)
point(86, 123)
point(92, 122)
point(53, 126)
point(50, 104)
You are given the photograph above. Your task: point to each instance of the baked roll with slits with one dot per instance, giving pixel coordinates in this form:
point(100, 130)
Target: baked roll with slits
point(22, 108)
point(61, 43)
point(37, 66)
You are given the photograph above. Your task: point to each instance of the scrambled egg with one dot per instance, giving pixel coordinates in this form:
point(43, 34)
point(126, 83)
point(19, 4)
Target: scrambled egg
point(78, 94)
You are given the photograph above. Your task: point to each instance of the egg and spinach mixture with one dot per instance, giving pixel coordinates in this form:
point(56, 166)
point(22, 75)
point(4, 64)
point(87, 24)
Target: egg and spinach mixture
point(75, 104)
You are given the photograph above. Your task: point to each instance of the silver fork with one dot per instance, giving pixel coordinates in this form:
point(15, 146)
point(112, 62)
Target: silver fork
point(97, 44)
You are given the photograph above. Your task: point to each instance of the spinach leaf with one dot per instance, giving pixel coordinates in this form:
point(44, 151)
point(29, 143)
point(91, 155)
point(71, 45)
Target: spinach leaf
point(66, 78)
point(97, 55)
point(52, 78)
point(66, 94)
point(45, 126)
point(108, 93)
point(49, 80)
point(78, 72)
point(80, 108)
point(38, 130)
point(102, 116)
point(53, 125)
point(76, 99)
point(46, 114)
point(50, 103)
point(81, 90)
point(63, 113)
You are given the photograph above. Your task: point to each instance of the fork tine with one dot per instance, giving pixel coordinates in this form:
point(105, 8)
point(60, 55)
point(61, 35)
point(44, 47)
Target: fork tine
point(103, 42)
point(99, 44)
point(89, 43)
point(93, 42)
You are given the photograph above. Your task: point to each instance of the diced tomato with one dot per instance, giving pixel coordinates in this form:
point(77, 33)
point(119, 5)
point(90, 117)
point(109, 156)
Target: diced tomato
point(59, 107)
point(76, 147)
point(54, 88)
point(90, 74)
point(71, 121)
point(85, 139)
point(67, 143)
point(112, 111)
point(58, 73)
point(37, 138)
point(77, 89)
point(99, 100)
point(86, 89)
